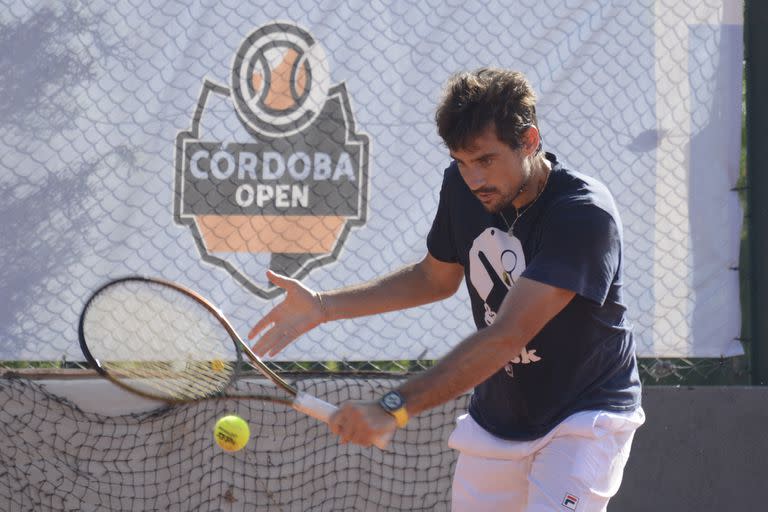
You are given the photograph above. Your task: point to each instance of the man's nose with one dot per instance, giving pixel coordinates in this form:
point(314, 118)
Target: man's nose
point(474, 177)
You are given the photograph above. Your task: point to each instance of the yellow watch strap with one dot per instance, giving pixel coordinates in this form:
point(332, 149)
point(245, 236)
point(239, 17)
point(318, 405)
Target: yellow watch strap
point(401, 417)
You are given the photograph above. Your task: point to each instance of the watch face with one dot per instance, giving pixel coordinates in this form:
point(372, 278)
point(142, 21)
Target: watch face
point(392, 401)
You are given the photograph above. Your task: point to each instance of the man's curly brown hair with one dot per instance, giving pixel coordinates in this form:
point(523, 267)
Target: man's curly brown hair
point(473, 100)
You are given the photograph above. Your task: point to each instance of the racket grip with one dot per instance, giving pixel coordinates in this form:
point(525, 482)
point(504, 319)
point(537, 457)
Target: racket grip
point(313, 406)
point(322, 410)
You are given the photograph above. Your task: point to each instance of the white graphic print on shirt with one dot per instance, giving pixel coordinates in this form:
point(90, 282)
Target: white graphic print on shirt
point(496, 261)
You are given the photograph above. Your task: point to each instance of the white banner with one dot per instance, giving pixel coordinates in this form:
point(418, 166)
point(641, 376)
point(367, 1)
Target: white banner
point(205, 144)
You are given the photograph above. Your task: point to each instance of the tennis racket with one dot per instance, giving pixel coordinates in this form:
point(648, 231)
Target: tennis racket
point(160, 340)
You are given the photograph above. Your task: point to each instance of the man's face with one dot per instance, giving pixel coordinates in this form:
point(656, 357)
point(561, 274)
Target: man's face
point(492, 170)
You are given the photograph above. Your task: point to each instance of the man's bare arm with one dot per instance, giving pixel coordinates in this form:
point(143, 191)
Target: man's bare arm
point(527, 308)
point(421, 283)
point(302, 309)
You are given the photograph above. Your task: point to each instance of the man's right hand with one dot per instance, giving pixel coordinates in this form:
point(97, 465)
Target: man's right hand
point(300, 311)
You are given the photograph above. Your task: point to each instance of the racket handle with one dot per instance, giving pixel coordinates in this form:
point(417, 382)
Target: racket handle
point(322, 410)
point(313, 406)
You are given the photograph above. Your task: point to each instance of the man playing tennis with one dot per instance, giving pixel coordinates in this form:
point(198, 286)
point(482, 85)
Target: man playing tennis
point(556, 396)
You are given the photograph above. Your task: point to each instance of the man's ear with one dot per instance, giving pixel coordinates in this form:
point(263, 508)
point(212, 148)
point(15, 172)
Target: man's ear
point(531, 141)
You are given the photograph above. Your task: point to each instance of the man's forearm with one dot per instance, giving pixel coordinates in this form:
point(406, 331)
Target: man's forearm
point(407, 287)
point(525, 310)
point(471, 362)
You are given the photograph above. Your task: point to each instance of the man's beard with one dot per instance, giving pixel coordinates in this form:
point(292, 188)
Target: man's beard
point(505, 201)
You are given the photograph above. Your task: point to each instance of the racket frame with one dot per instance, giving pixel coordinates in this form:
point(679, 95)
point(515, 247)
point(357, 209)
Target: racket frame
point(240, 348)
point(300, 401)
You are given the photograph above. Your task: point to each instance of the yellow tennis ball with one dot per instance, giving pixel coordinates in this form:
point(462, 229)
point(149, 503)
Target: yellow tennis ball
point(231, 433)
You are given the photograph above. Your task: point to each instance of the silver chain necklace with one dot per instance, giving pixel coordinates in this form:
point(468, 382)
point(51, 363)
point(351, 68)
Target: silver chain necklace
point(511, 228)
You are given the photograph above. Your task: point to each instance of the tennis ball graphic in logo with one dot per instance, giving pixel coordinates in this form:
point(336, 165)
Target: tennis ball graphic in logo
point(282, 82)
point(280, 79)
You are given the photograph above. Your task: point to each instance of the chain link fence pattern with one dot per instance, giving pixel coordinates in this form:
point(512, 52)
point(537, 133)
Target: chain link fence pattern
point(100, 101)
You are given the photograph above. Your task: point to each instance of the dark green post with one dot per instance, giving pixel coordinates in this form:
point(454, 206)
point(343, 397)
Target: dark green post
point(756, 57)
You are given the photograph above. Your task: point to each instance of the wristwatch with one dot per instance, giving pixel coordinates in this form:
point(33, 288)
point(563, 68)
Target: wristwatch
point(394, 403)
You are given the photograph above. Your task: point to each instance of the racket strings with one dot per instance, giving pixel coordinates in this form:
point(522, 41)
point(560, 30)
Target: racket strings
point(201, 379)
point(159, 341)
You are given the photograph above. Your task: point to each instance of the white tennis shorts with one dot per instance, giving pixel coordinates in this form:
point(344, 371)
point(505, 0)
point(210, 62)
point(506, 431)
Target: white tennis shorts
point(578, 466)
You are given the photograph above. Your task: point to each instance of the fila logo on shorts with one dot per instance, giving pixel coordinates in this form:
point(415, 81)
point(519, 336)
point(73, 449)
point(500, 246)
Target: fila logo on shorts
point(570, 501)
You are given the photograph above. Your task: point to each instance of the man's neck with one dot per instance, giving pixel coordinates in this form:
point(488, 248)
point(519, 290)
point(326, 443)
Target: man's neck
point(541, 168)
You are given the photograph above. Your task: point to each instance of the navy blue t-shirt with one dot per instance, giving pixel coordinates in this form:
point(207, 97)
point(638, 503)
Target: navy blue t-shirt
point(570, 237)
